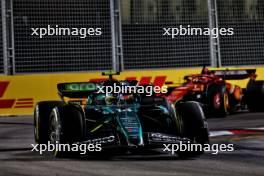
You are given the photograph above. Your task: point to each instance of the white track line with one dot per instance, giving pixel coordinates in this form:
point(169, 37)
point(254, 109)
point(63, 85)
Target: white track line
point(260, 129)
point(229, 132)
point(219, 133)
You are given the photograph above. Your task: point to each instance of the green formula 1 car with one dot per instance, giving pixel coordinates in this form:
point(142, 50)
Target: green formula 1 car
point(115, 121)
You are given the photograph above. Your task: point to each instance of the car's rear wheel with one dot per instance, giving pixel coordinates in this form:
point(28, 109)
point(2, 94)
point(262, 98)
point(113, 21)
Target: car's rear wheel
point(194, 127)
point(218, 100)
point(41, 120)
point(66, 127)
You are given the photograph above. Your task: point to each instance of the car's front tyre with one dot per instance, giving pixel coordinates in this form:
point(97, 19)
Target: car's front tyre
point(41, 120)
point(254, 96)
point(194, 127)
point(66, 127)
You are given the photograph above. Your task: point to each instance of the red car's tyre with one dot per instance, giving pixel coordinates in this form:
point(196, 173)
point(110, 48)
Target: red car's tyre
point(218, 100)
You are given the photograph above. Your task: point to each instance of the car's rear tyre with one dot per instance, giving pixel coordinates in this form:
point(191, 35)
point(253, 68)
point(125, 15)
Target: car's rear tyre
point(194, 127)
point(218, 100)
point(66, 126)
point(254, 96)
point(41, 120)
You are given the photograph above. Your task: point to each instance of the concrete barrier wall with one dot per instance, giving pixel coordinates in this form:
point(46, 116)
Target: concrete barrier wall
point(20, 93)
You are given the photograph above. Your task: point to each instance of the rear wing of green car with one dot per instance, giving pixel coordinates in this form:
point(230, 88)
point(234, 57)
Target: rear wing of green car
point(77, 89)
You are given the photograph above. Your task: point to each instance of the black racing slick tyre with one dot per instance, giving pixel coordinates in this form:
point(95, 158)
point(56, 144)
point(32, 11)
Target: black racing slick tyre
point(254, 96)
point(41, 120)
point(218, 100)
point(66, 126)
point(195, 126)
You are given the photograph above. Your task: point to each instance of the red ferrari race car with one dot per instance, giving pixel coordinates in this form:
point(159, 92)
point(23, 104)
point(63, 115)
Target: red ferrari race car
point(218, 96)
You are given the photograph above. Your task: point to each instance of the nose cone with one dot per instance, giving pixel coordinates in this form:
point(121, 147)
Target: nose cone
point(131, 127)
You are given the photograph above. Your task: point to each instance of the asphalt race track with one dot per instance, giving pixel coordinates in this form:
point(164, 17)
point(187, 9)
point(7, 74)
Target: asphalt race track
point(16, 157)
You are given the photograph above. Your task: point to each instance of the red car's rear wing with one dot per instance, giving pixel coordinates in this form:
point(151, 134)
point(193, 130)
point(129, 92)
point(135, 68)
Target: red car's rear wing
point(235, 74)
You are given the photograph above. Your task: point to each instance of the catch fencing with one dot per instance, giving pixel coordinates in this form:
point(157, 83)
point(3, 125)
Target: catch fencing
point(131, 35)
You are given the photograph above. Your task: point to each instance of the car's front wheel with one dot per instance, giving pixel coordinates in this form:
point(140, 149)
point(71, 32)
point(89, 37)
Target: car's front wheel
point(41, 120)
point(194, 127)
point(66, 127)
point(254, 96)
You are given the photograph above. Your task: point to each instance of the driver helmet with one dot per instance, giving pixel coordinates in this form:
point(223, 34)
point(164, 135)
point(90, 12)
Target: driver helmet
point(100, 99)
point(205, 71)
point(111, 99)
